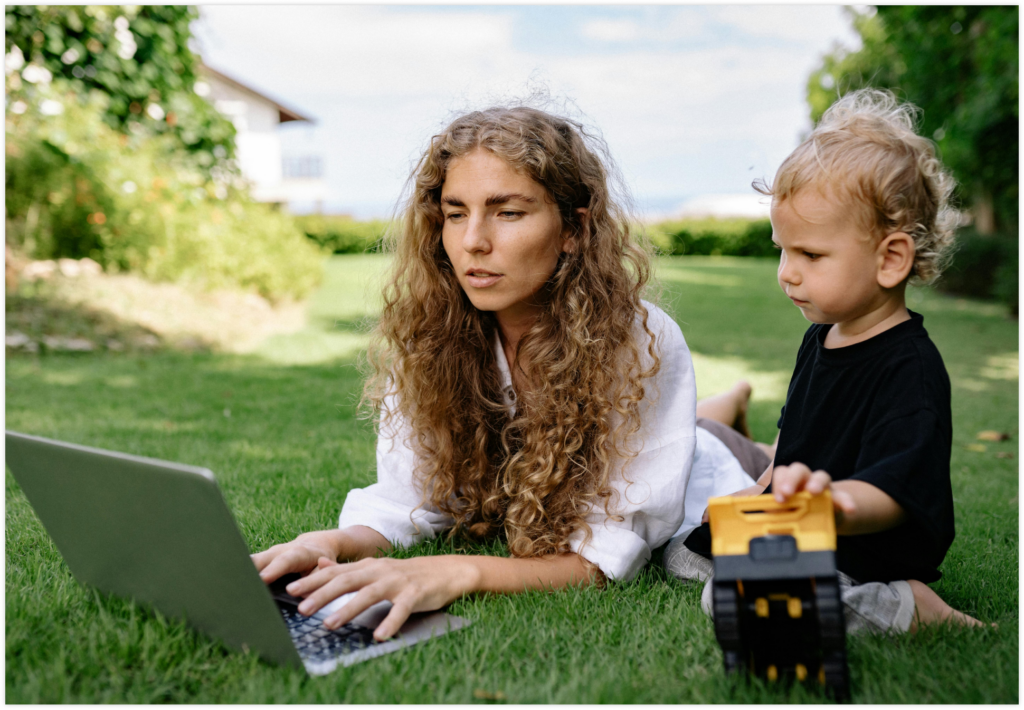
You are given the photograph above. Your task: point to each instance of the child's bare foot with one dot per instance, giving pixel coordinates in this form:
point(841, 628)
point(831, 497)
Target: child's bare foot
point(932, 610)
point(729, 407)
point(741, 392)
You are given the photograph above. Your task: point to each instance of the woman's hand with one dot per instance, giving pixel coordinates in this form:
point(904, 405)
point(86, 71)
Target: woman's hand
point(412, 585)
point(301, 554)
point(429, 583)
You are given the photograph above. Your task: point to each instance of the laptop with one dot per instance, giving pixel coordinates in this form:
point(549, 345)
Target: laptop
point(161, 533)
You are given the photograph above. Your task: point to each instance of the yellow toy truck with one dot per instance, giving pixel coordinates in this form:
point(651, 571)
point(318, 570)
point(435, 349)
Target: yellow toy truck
point(775, 597)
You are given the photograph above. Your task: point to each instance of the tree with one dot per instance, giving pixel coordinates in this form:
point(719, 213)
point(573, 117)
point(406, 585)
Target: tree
point(139, 56)
point(959, 64)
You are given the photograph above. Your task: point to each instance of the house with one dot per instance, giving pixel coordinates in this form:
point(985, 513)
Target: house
point(274, 178)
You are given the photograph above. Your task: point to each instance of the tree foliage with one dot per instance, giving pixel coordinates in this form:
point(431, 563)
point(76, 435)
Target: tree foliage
point(959, 64)
point(139, 56)
point(75, 187)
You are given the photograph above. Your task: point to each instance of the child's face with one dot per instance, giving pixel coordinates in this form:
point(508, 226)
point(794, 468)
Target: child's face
point(829, 264)
point(502, 233)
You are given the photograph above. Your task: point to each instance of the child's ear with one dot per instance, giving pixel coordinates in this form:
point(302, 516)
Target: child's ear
point(570, 237)
point(895, 259)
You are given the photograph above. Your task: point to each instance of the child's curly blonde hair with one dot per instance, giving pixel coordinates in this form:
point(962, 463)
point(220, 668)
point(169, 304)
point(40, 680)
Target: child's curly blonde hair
point(866, 150)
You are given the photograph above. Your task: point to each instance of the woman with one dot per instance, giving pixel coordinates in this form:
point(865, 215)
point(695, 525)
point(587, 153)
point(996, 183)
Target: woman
point(523, 386)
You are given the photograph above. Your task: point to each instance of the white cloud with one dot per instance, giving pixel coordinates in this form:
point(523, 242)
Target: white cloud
point(362, 51)
point(805, 24)
point(683, 112)
point(611, 30)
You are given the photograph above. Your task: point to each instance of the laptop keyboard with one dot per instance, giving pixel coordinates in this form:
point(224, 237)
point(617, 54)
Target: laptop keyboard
point(315, 642)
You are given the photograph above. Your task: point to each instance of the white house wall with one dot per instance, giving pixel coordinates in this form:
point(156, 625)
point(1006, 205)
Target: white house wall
point(258, 146)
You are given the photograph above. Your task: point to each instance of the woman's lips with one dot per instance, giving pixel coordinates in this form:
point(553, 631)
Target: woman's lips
point(482, 279)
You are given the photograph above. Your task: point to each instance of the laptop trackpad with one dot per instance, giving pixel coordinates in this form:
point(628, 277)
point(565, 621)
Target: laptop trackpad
point(370, 618)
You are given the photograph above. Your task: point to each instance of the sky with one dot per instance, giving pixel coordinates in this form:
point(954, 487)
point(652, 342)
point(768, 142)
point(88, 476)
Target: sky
point(692, 100)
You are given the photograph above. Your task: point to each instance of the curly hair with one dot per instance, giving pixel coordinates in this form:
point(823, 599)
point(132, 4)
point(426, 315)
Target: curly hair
point(866, 149)
point(533, 475)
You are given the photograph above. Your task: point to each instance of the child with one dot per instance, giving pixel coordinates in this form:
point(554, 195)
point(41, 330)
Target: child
point(858, 210)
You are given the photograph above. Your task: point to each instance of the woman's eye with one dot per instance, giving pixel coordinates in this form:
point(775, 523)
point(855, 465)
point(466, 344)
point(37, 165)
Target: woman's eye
point(509, 214)
point(453, 215)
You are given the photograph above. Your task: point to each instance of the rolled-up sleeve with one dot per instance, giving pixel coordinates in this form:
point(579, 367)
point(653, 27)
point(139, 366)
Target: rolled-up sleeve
point(650, 489)
point(394, 506)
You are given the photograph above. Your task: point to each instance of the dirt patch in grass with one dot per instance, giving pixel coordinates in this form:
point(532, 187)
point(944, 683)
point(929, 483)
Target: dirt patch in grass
point(89, 311)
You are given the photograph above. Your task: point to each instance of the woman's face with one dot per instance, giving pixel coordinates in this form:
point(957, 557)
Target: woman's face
point(502, 233)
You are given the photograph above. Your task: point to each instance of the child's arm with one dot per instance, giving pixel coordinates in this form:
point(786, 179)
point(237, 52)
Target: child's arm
point(861, 508)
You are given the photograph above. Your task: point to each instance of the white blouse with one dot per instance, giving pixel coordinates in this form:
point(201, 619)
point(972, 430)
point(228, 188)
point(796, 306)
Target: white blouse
point(652, 503)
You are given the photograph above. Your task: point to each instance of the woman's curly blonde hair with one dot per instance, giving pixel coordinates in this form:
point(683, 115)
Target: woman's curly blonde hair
point(865, 148)
point(533, 476)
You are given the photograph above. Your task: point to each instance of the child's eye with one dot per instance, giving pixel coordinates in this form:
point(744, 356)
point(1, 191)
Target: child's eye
point(776, 246)
point(811, 256)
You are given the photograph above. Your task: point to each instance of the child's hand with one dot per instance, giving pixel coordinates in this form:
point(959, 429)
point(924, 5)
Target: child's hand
point(787, 480)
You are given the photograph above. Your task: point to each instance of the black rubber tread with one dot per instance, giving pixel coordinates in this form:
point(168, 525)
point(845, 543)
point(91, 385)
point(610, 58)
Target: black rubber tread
point(726, 605)
point(837, 676)
point(831, 625)
point(733, 662)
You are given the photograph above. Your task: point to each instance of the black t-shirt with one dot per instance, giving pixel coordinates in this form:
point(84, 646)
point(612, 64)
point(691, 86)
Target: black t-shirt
point(876, 411)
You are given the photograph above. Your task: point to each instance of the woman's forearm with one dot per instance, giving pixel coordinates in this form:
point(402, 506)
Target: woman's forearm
point(510, 575)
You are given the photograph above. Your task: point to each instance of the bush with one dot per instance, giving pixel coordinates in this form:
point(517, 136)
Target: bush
point(77, 188)
point(711, 236)
point(984, 266)
point(342, 235)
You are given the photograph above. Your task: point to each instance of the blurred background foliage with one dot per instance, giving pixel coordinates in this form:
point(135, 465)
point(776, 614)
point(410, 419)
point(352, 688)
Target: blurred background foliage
point(152, 191)
point(960, 65)
point(339, 234)
point(138, 55)
point(712, 236)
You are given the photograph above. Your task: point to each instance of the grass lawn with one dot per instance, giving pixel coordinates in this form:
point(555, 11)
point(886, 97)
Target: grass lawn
point(279, 429)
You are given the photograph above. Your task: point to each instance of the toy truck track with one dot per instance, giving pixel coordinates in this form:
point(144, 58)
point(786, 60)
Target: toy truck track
point(778, 614)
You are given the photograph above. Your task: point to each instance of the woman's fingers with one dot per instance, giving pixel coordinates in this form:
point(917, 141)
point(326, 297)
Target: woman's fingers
point(276, 562)
point(411, 586)
point(325, 585)
point(363, 600)
point(400, 612)
point(300, 555)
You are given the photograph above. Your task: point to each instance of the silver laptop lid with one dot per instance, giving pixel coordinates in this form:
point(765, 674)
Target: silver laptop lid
point(156, 531)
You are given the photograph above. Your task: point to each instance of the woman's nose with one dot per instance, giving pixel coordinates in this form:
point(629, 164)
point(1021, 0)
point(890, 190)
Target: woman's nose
point(477, 236)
